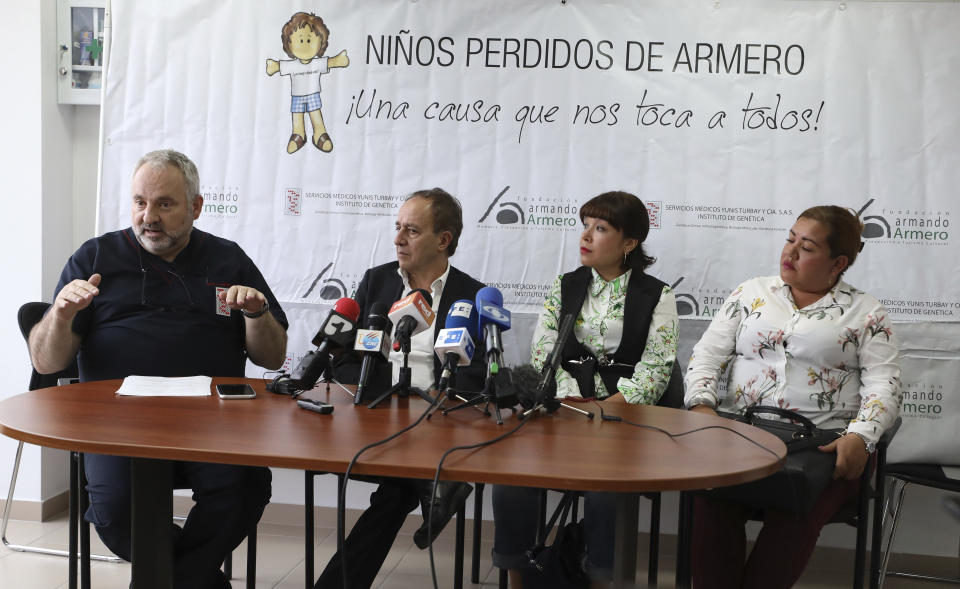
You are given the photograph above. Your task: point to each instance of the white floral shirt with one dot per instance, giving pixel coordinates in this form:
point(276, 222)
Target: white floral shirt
point(834, 361)
point(599, 327)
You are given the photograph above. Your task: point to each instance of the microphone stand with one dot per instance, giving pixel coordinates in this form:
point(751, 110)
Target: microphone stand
point(552, 405)
point(403, 387)
point(339, 384)
point(449, 393)
point(550, 367)
point(488, 395)
point(327, 379)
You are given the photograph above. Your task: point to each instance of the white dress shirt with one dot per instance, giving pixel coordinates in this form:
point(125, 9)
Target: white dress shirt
point(420, 360)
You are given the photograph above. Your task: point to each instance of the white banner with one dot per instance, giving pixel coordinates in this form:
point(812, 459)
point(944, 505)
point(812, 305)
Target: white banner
point(930, 412)
point(726, 118)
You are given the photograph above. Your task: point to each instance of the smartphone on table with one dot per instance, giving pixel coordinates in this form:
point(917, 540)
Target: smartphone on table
point(236, 391)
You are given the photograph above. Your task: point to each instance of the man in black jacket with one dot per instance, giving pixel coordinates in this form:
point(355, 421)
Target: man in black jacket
point(428, 229)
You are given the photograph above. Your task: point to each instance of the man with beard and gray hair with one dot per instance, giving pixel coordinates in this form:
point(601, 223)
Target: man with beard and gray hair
point(162, 298)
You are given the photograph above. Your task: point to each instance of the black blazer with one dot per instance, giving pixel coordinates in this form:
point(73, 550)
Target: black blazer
point(383, 284)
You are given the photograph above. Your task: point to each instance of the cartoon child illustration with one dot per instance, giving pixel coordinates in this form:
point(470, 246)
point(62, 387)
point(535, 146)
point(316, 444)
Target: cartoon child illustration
point(305, 40)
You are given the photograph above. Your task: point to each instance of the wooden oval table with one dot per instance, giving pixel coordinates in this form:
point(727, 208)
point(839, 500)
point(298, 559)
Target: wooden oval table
point(562, 450)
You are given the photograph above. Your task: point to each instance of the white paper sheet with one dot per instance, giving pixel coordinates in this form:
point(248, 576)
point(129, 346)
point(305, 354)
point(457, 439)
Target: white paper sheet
point(159, 386)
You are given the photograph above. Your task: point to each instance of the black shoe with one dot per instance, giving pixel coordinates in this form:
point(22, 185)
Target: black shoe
point(438, 510)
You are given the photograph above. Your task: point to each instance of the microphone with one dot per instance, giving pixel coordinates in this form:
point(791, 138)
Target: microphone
point(494, 320)
point(540, 388)
point(339, 327)
point(455, 341)
point(525, 386)
point(412, 314)
point(548, 384)
point(372, 343)
point(337, 331)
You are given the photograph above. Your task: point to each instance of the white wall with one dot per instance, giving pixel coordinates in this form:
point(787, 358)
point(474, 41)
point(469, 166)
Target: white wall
point(86, 143)
point(38, 228)
point(21, 225)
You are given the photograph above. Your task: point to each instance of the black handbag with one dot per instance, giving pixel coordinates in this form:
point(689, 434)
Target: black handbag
point(561, 565)
point(806, 472)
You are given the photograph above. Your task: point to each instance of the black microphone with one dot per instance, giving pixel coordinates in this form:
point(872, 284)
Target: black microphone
point(337, 331)
point(339, 327)
point(373, 343)
point(309, 370)
point(526, 385)
point(547, 388)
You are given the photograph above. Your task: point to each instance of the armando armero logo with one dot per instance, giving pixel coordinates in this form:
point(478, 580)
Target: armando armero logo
point(687, 305)
point(331, 288)
point(535, 212)
point(220, 201)
point(545, 213)
point(703, 304)
point(922, 400)
point(915, 226)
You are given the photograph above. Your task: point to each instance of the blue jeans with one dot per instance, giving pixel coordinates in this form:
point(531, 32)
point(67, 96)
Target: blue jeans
point(229, 502)
point(515, 528)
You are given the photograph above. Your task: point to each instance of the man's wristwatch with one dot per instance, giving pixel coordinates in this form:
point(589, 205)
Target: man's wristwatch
point(871, 446)
point(266, 307)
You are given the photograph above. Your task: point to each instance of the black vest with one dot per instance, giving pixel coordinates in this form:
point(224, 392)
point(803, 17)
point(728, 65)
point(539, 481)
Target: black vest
point(643, 295)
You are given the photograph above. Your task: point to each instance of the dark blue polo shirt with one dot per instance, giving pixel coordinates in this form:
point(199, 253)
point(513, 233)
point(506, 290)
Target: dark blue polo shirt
point(158, 318)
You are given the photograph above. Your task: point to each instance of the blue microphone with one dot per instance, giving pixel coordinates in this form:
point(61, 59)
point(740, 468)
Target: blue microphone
point(493, 320)
point(463, 314)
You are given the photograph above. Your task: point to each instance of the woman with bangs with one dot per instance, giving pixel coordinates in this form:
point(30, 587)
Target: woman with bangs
point(623, 349)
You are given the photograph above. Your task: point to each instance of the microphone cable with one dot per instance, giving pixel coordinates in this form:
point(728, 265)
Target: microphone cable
point(617, 418)
point(341, 502)
point(794, 493)
point(436, 480)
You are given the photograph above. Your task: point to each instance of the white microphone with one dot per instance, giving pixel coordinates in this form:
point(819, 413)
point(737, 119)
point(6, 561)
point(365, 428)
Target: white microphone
point(455, 348)
point(454, 344)
point(373, 341)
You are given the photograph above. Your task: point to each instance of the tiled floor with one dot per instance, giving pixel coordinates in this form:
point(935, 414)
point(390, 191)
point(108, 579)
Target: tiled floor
point(280, 562)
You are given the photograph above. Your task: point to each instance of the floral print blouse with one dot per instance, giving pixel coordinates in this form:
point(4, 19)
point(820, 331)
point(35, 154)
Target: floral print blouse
point(834, 361)
point(599, 327)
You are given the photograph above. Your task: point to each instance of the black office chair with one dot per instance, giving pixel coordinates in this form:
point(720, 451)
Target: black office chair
point(29, 315)
point(855, 513)
point(902, 475)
